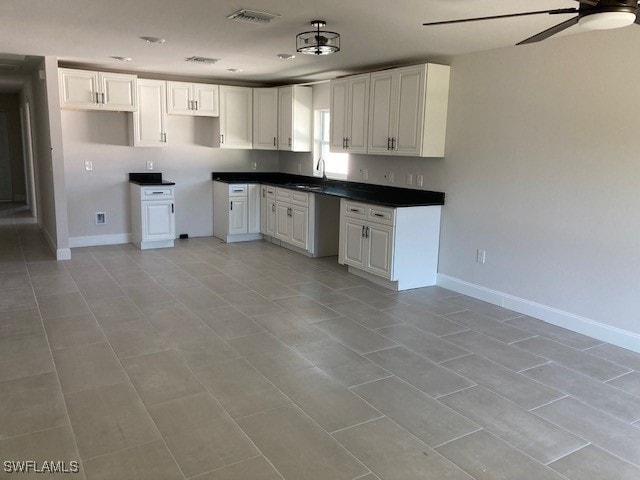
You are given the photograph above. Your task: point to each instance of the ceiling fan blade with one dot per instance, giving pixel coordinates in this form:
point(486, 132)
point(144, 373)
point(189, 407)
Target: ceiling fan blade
point(551, 31)
point(510, 15)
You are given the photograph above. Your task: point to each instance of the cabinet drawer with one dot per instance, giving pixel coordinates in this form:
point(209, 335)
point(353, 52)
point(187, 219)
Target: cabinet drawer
point(156, 193)
point(382, 215)
point(283, 194)
point(238, 190)
point(300, 198)
point(269, 191)
point(355, 210)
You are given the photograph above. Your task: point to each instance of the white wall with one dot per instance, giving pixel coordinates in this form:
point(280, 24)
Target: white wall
point(542, 171)
point(103, 138)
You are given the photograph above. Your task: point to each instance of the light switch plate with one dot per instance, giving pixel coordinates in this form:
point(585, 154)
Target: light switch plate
point(420, 180)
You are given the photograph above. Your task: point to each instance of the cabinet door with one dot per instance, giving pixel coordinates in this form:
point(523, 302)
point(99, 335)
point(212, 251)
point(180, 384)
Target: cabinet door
point(358, 114)
point(158, 221)
point(205, 99)
point(283, 224)
point(299, 226)
point(236, 117)
point(409, 111)
point(285, 118)
point(338, 105)
point(263, 209)
point(118, 92)
point(149, 129)
point(354, 243)
point(179, 98)
point(253, 225)
point(265, 118)
point(380, 112)
point(78, 89)
point(237, 215)
point(378, 257)
point(270, 222)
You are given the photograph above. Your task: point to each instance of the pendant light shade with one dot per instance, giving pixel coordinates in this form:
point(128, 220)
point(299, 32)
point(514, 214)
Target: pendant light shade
point(318, 42)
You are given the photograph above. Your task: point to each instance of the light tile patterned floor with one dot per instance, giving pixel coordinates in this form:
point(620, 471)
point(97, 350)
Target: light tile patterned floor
point(248, 361)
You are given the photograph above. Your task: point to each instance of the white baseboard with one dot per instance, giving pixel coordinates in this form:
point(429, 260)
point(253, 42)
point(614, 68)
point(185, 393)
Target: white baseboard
point(96, 240)
point(586, 326)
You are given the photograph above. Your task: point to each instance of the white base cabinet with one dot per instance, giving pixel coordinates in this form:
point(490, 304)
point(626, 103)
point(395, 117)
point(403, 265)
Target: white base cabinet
point(395, 247)
point(152, 216)
point(236, 212)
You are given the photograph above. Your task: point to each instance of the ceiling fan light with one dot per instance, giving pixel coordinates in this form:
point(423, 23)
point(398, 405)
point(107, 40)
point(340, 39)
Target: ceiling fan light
point(607, 20)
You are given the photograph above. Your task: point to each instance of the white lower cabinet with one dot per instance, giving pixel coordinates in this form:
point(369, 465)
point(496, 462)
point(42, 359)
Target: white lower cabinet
point(292, 217)
point(395, 247)
point(268, 210)
point(152, 216)
point(236, 211)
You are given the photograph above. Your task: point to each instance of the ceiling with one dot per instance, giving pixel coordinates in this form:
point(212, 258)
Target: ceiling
point(374, 33)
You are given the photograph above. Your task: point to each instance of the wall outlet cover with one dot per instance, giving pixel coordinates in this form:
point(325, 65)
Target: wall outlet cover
point(101, 218)
point(409, 178)
point(88, 165)
point(149, 165)
point(420, 180)
point(254, 165)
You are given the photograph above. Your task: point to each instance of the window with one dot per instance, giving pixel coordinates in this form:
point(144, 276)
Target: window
point(336, 164)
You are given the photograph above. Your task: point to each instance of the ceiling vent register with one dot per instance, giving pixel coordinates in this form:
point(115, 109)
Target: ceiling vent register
point(202, 60)
point(252, 16)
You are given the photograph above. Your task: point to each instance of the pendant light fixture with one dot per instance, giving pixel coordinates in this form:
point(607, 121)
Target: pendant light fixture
point(318, 42)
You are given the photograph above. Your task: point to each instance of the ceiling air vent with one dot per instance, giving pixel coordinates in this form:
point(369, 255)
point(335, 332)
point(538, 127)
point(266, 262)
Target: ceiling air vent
point(252, 16)
point(202, 60)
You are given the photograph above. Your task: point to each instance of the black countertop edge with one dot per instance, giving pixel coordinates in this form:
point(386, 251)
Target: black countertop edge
point(153, 179)
point(364, 192)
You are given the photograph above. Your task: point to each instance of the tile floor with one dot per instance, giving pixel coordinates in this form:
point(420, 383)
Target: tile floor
point(247, 361)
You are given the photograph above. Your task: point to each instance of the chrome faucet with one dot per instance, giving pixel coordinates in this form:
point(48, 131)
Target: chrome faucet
point(324, 168)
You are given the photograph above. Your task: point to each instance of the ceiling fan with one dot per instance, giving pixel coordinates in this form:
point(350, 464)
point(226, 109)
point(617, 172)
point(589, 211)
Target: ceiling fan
point(591, 14)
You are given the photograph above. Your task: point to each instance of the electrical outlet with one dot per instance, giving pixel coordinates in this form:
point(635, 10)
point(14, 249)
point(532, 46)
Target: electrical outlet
point(409, 178)
point(149, 165)
point(101, 218)
point(419, 180)
point(365, 174)
point(88, 165)
point(390, 177)
point(481, 256)
point(254, 166)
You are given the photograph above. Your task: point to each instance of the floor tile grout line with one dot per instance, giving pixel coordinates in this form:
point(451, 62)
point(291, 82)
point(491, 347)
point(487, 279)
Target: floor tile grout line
point(355, 425)
point(548, 464)
point(134, 387)
point(462, 436)
point(55, 367)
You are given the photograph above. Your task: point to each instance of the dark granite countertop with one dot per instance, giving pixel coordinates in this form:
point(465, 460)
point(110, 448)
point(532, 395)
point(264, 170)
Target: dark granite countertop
point(362, 192)
point(153, 179)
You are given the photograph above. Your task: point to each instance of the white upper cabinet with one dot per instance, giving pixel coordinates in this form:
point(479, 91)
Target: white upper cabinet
point(236, 117)
point(265, 118)
point(408, 111)
point(294, 118)
point(199, 99)
point(149, 121)
point(350, 114)
point(87, 90)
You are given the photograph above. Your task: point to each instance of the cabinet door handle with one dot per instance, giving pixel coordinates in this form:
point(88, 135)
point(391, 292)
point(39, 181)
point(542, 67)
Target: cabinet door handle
point(388, 143)
point(196, 104)
point(102, 98)
point(158, 193)
point(222, 138)
point(343, 145)
point(164, 137)
point(378, 215)
point(393, 143)
point(172, 209)
point(289, 141)
point(264, 193)
point(238, 190)
point(362, 231)
point(289, 213)
point(367, 233)
point(231, 205)
point(354, 210)
point(273, 207)
point(347, 143)
point(274, 141)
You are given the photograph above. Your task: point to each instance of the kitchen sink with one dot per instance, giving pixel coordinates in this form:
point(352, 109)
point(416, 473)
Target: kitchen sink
point(302, 186)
